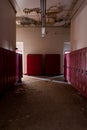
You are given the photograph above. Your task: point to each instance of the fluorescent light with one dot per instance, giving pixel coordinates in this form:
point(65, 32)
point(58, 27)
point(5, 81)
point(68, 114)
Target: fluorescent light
point(43, 31)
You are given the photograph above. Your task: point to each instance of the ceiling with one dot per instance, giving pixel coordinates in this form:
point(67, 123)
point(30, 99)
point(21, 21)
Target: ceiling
point(58, 12)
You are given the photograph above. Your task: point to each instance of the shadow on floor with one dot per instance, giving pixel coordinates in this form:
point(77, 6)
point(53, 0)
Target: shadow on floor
point(43, 105)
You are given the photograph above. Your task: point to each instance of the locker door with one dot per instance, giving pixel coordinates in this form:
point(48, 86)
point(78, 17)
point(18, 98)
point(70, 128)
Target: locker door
point(20, 66)
point(86, 72)
point(80, 70)
point(4, 68)
point(71, 64)
point(34, 64)
point(73, 69)
point(1, 71)
point(65, 66)
point(77, 71)
point(68, 67)
point(83, 70)
point(52, 64)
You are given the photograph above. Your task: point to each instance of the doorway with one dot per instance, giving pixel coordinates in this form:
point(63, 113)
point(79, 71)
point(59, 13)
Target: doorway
point(66, 49)
point(20, 50)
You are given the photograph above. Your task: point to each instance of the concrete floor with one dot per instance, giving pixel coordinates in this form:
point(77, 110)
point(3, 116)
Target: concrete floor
point(43, 105)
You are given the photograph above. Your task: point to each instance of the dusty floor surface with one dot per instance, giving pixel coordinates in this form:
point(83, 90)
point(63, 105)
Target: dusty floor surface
point(43, 105)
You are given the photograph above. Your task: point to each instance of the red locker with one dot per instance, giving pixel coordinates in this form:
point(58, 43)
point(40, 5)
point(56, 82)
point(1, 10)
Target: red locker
point(19, 73)
point(13, 58)
point(77, 70)
point(86, 72)
point(52, 64)
point(1, 71)
point(8, 69)
point(34, 64)
point(20, 66)
point(71, 66)
point(5, 64)
point(83, 71)
point(65, 66)
point(68, 66)
point(80, 70)
point(3, 51)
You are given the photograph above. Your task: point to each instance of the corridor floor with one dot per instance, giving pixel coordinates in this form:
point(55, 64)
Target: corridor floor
point(43, 105)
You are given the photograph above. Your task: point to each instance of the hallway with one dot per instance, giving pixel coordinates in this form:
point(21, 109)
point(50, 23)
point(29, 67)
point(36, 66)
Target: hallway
point(43, 105)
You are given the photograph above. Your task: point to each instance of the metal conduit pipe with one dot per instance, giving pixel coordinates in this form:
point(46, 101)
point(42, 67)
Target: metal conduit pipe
point(43, 16)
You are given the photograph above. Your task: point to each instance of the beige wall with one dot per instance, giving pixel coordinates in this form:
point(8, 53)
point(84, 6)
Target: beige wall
point(79, 28)
point(53, 42)
point(7, 25)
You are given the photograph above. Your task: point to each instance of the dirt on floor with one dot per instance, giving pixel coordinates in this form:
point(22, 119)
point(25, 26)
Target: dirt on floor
point(43, 104)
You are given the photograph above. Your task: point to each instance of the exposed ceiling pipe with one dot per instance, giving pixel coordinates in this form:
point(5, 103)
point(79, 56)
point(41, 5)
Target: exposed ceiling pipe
point(43, 17)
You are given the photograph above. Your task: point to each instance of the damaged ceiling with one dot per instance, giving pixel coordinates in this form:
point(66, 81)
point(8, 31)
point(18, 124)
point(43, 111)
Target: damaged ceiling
point(58, 12)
